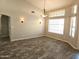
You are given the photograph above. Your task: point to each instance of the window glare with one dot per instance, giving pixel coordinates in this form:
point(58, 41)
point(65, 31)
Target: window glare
point(74, 9)
point(56, 26)
point(73, 26)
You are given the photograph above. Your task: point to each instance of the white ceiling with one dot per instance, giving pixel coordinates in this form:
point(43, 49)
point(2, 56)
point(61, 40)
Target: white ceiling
point(27, 6)
point(50, 4)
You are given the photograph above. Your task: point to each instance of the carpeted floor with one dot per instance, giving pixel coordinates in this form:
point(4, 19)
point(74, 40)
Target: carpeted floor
point(37, 48)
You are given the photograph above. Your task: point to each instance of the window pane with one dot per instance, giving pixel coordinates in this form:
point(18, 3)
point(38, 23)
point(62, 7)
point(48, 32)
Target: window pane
point(74, 9)
point(57, 13)
point(73, 26)
point(73, 31)
point(56, 26)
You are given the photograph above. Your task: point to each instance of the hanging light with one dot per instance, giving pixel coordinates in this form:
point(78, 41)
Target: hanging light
point(44, 11)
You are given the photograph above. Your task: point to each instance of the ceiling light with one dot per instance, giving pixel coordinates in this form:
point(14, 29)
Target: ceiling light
point(44, 10)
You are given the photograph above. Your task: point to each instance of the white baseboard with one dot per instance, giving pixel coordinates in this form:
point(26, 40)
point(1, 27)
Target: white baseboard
point(64, 41)
point(40, 35)
point(28, 37)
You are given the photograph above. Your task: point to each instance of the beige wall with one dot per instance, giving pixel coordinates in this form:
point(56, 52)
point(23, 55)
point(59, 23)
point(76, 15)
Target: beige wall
point(31, 27)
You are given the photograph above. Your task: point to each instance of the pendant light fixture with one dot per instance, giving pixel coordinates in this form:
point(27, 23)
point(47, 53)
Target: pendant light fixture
point(44, 10)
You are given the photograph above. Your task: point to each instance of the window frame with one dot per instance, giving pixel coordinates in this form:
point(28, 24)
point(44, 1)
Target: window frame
point(58, 17)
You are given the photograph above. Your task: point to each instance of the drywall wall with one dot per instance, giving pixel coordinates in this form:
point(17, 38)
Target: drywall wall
point(31, 27)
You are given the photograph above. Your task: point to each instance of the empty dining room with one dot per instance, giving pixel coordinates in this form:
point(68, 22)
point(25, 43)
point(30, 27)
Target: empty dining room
point(39, 29)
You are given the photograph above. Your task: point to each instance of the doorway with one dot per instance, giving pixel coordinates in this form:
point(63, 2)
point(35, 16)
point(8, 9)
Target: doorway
point(4, 27)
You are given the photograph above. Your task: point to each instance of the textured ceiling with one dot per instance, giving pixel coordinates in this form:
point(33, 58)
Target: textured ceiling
point(50, 4)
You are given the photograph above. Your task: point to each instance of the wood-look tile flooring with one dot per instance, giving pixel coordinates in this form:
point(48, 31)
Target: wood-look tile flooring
point(36, 48)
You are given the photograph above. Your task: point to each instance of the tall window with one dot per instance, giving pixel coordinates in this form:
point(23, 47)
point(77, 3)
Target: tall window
point(73, 26)
point(56, 24)
point(73, 21)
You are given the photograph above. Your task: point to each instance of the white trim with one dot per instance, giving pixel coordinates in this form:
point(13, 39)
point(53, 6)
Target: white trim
point(28, 37)
point(64, 41)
